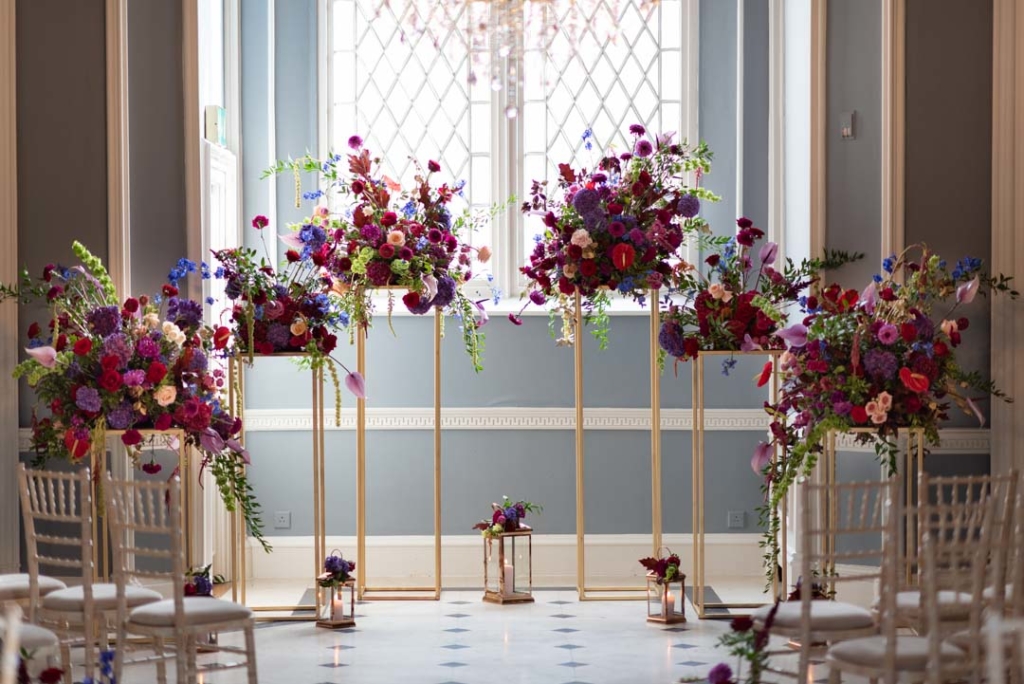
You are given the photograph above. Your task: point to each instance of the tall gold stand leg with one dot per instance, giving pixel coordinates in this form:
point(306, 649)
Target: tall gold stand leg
point(437, 452)
point(577, 345)
point(697, 447)
point(243, 531)
point(233, 408)
point(318, 510)
point(656, 516)
point(361, 470)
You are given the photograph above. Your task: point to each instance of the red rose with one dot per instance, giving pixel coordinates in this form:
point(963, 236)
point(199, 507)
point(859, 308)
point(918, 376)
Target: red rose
point(954, 338)
point(886, 295)
point(962, 323)
point(62, 341)
point(858, 414)
point(691, 347)
point(433, 166)
point(163, 422)
point(48, 272)
point(131, 437)
point(190, 589)
point(386, 251)
point(588, 267)
point(110, 380)
point(850, 298)
point(344, 264)
point(156, 372)
point(766, 374)
point(328, 343)
point(56, 407)
point(614, 208)
point(912, 404)
point(389, 218)
point(566, 287)
point(33, 330)
point(623, 255)
point(549, 220)
point(51, 675)
point(915, 382)
point(411, 299)
point(713, 260)
point(908, 331)
point(292, 256)
point(170, 291)
point(940, 348)
point(574, 251)
point(131, 305)
point(357, 187)
point(54, 292)
point(110, 362)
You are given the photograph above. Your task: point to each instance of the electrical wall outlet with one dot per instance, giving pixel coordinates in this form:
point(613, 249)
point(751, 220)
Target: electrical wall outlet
point(736, 520)
point(282, 520)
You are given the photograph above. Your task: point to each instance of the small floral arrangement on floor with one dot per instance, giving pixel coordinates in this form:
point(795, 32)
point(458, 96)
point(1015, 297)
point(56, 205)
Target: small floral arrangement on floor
point(337, 570)
point(50, 675)
point(508, 516)
point(883, 358)
point(739, 304)
point(140, 364)
point(616, 227)
point(747, 645)
point(199, 582)
point(397, 239)
point(665, 568)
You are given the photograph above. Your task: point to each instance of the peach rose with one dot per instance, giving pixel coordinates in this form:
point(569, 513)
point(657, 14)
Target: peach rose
point(166, 395)
point(299, 327)
point(483, 255)
point(396, 238)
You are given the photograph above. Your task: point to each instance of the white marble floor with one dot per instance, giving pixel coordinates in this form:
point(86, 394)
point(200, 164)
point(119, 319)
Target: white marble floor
point(461, 640)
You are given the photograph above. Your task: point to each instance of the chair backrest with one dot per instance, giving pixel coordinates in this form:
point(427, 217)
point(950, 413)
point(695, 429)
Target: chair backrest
point(1014, 587)
point(62, 502)
point(1005, 636)
point(10, 633)
point(151, 511)
point(859, 532)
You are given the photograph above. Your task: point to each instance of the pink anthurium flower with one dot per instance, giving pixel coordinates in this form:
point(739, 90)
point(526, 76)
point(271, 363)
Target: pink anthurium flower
point(211, 441)
point(46, 356)
point(794, 336)
point(237, 447)
point(869, 297)
point(768, 253)
point(356, 384)
point(292, 240)
point(749, 345)
point(965, 292)
point(484, 317)
point(762, 457)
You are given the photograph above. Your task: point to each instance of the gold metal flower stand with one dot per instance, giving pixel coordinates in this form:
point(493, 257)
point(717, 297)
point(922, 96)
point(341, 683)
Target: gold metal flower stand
point(722, 609)
point(239, 532)
point(615, 593)
point(395, 593)
point(508, 560)
point(913, 461)
point(101, 531)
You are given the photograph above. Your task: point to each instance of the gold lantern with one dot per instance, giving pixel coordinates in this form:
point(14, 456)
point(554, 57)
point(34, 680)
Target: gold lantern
point(508, 567)
point(665, 599)
point(339, 611)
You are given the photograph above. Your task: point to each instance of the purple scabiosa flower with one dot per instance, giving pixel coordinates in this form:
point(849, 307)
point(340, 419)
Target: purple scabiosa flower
point(671, 338)
point(637, 129)
point(586, 202)
point(355, 142)
point(880, 364)
point(445, 292)
point(120, 346)
point(279, 335)
point(88, 399)
point(720, 674)
point(186, 313)
point(637, 237)
point(148, 348)
point(842, 408)
point(379, 273)
point(104, 320)
point(643, 148)
point(134, 378)
point(617, 229)
point(888, 334)
point(537, 297)
point(405, 253)
point(371, 233)
point(435, 235)
point(121, 418)
point(688, 206)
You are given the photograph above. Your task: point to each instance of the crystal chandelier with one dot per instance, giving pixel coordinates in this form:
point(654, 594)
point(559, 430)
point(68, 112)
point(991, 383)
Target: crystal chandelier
point(500, 34)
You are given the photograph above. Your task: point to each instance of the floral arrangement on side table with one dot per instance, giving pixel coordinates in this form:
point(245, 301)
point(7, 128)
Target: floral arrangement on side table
point(139, 364)
point(200, 583)
point(390, 238)
point(739, 304)
point(616, 227)
point(874, 359)
point(508, 516)
point(336, 572)
point(664, 568)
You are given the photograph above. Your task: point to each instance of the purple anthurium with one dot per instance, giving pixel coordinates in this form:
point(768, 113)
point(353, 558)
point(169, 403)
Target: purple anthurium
point(748, 344)
point(479, 304)
point(965, 291)
point(292, 240)
point(868, 297)
point(977, 412)
point(794, 336)
point(356, 384)
point(211, 441)
point(237, 447)
point(429, 287)
point(762, 457)
point(768, 253)
point(46, 356)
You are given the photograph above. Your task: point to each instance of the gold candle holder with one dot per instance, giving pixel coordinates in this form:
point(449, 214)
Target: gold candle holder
point(663, 606)
point(338, 607)
point(505, 554)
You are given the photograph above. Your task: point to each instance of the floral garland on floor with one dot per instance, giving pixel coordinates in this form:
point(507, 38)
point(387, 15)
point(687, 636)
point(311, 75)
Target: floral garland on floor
point(139, 364)
point(394, 238)
point(740, 304)
point(876, 359)
point(614, 228)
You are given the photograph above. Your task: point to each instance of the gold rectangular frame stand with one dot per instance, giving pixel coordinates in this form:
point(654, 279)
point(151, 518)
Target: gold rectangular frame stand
point(396, 593)
point(99, 465)
point(638, 593)
point(239, 534)
point(914, 461)
point(700, 605)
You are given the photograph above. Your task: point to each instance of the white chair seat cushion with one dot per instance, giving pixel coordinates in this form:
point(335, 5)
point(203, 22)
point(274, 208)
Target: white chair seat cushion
point(16, 587)
point(826, 616)
point(72, 599)
point(199, 610)
point(990, 592)
point(32, 637)
point(953, 604)
point(911, 652)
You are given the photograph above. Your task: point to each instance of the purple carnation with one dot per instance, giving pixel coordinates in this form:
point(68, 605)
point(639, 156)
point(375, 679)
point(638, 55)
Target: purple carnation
point(637, 237)
point(643, 148)
point(671, 338)
point(134, 378)
point(121, 418)
point(405, 254)
point(880, 364)
point(434, 235)
point(148, 348)
point(688, 206)
point(617, 229)
point(88, 399)
point(842, 408)
point(371, 233)
point(445, 292)
point(888, 334)
point(104, 320)
point(120, 346)
point(379, 273)
point(186, 313)
point(720, 674)
point(537, 297)
point(586, 202)
point(279, 336)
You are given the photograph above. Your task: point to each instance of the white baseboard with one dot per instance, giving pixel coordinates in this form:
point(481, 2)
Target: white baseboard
point(611, 558)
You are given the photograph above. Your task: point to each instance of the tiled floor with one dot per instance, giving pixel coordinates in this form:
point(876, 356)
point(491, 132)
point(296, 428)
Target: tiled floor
point(461, 640)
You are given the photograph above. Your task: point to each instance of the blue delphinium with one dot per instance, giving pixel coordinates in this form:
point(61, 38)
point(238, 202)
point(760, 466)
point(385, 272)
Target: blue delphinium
point(728, 365)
